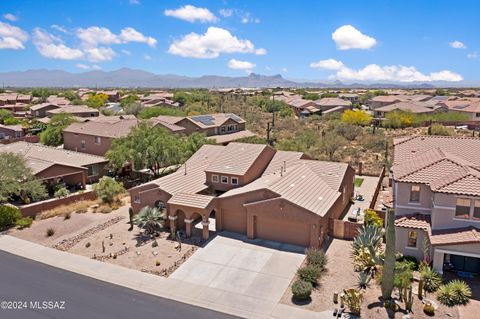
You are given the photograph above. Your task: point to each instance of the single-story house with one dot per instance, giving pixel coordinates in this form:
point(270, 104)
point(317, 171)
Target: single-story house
point(75, 110)
point(409, 106)
point(11, 131)
point(40, 110)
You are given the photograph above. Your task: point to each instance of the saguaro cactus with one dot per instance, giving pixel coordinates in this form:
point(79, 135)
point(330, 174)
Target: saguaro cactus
point(409, 300)
point(420, 288)
point(130, 216)
point(389, 263)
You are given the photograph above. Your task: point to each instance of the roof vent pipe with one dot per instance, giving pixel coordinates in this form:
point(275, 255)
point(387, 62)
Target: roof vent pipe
point(285, 166)
point(185, 166)
point(281, 171)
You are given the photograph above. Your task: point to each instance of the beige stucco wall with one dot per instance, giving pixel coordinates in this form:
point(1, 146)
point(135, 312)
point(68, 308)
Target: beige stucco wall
point(73, 141)
point(401, 242)
point(403, 206)
point(443, 214)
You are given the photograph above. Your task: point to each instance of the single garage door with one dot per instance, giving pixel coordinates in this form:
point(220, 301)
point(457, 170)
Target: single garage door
point(284, 231)
point(235, 221)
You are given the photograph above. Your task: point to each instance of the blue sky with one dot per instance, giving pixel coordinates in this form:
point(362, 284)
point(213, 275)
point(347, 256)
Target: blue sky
point(373, 40)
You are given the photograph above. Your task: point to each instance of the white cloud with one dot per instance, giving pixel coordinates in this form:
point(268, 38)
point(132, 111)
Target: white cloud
point(147, 57)
point(246, 17)
point(59, 28)
point(226, 13)
point(192, 14)
point(240, 65)
point(12, 37)
point(126, 52)
point(99, 54)
point(473, 55)
point(88, 67)
point(211, 44)
point(457, 45)
point(347, 37)
point(132, 35)
point(374, 72)
point(52, 47)
point(285, 70)
point(329, 64)
point(10, 17)
point(93, 36)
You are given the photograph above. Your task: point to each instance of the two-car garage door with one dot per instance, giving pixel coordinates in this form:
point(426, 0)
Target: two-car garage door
point(286, 231)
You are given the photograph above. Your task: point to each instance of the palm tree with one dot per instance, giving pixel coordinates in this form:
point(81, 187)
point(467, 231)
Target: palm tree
point(150, 219)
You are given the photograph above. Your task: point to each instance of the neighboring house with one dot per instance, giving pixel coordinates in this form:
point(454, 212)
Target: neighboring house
point(383, 100)
point(11, 131)
point(40, 110)
point(113, 96)
point(332, 104)
point(222, 127)
point(303, 107)
point(53, 165)
point(471, 108)
point(352, 97)
point(95, 135)
point(254, 190)
point(409, 106)
point(75, 110)
point(159, 99)
point(436, 191)
point(58, 100)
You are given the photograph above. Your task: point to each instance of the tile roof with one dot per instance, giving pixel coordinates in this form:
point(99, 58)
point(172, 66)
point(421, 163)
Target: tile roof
point(410, 106)
point(191, 200)
point(105, 126)
point(280, 158)
point(225, 138)
point(16, 127)
point(446, 164)
point(332, 101)
point(73, 109)
point(237, 158)
point(42, 105)
point(415, 221)
point(467, 235)
point(40, 157)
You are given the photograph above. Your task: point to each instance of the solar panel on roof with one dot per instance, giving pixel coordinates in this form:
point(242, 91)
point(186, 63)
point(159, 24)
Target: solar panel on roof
point(204, 119)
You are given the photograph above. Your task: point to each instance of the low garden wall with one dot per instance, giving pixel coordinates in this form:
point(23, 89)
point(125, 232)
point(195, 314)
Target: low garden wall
point(377, 189)
point(29, 139)
point(38, 207)
point(343, 229)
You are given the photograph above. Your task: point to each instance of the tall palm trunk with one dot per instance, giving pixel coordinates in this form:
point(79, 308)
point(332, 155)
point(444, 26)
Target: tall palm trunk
point(389, 263)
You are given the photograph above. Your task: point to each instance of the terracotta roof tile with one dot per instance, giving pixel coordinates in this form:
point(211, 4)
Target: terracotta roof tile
point(455, 236)
point(415, 221)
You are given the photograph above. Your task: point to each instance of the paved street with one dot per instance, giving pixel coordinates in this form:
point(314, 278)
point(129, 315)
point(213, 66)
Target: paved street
point(27, 280)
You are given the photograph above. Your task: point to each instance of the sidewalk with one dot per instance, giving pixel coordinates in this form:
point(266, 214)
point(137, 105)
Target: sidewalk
point(181, 291)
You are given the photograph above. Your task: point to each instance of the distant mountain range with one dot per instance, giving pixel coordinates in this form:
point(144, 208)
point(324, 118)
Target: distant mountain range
point(129, 78)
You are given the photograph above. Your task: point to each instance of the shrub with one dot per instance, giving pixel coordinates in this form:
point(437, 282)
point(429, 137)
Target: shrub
point(61, 192)
point(50, 232)
point(310, 273)
point(67, 216)
point(456, 292)
point(104, 209)
point(409, 261)
point(439, 129)
point(316, 257)
point(24, 222)
point(301, 290)
point(107, 188)
point(371, 218)
point(9, 216)
point(356, 117)
point(431, 279)
point(429, 309)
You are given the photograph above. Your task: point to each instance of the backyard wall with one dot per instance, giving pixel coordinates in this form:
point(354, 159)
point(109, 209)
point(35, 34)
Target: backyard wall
point(343, 229)
point(38, 207)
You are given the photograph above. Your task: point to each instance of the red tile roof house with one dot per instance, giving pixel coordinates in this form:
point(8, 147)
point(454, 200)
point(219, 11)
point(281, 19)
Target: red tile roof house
point(436, 191)
point(75, 110)
point(40, 110)
point(252, 189)
point(409, 106)
point(221, 127)
point(332, 104)
point(11, 131)
point(303, 107)
point(471, 108)
point(95, 135)
point(51, 164)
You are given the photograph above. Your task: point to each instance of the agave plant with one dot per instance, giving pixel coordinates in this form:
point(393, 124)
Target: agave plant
point(363, 280)
point(367, 248)
point(431, 279)
point(150, 219)
point(456, 292)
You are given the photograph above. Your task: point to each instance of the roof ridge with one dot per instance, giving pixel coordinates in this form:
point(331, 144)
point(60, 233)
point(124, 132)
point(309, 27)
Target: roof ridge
point(442, 158)
point(440, 186)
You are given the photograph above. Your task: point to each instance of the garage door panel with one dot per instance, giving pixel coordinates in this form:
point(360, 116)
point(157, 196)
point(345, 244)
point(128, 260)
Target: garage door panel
point(235, 221)
point(285, 231)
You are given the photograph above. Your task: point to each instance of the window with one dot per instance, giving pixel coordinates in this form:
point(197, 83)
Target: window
point(136, 199)
point(415, 193)
point(98, 140)
point(462, 209)
point(93, 170)
point(412, 239)
point(214, 178)
point(477, 114)
point(224, 179)
point(18, 134)
point(82, 145)
point(222, 129)
point(234, 181)
point(476, 210)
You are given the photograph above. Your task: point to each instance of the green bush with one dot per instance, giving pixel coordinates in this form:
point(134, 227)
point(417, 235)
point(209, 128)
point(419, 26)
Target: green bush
point(24, 222)
point(61, 192)
point(439, 129)
point(316, 257)
point(301, 290)
point(310, 273)
point(50, 232)
point(107, 188)
point(431, 279)
point(371, 218)
point(9, 216)
point(409, 261)
point(456, 292)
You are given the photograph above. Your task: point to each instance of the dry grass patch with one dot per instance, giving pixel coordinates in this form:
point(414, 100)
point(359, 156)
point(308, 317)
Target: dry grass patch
point(78, 207)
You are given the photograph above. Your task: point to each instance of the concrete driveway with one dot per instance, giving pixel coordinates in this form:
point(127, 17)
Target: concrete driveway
point(231, 265)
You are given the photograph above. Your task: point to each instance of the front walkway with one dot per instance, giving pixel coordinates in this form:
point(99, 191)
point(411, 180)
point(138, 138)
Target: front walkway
point(214, 298)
